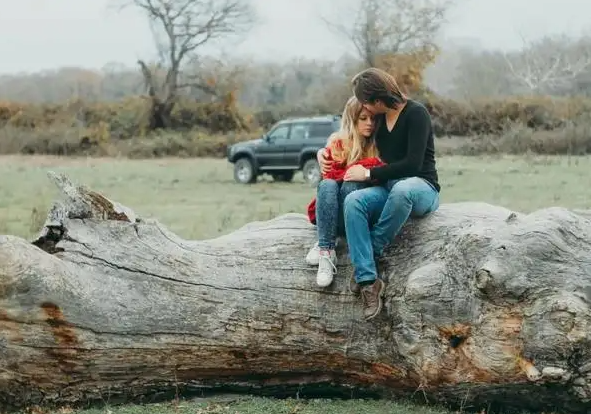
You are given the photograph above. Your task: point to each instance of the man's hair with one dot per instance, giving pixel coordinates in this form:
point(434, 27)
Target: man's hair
point(373, 84)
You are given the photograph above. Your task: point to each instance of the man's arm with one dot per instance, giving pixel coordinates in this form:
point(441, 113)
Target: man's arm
point(322, 153)
point(418, 136)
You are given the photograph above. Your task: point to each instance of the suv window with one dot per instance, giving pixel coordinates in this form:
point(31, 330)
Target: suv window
point(318, 130)
point(300, 131)
point(281, 132)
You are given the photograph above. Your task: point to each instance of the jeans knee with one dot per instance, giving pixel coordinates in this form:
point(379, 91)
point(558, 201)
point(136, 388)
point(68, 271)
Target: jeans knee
point(348, 187)
point(328, 185)
point(353, 201)
point(415, 193)
point(402, 191)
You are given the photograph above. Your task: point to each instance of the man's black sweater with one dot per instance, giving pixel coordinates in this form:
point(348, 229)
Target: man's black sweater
point(408, 150)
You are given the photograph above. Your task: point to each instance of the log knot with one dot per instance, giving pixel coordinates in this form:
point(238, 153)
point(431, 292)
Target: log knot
point(456, 334)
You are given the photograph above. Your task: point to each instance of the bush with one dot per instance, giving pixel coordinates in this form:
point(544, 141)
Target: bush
point(574, 138)
point(495, 116)
point(76, 142)
point(541, 125)
point(123, 119)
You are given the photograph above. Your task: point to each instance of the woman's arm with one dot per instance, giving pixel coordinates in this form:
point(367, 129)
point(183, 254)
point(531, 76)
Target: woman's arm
point(418, 135)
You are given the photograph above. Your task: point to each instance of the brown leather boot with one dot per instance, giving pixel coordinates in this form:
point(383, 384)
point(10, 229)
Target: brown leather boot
point(372, 298)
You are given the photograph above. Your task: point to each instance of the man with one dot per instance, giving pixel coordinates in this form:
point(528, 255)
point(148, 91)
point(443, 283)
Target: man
point(409, 180)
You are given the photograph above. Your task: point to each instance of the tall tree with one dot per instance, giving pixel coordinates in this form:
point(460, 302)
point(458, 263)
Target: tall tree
point(389, 27)
point(181, 28)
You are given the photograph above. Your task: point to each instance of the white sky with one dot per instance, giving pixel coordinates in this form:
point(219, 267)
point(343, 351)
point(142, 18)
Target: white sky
point(43, 34)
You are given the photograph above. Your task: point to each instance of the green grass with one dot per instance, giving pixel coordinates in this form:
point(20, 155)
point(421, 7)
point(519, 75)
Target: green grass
point(255, 405)
point(198, 199)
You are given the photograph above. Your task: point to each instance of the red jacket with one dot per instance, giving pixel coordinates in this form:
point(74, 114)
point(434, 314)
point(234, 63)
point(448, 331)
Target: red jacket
point(337, 172)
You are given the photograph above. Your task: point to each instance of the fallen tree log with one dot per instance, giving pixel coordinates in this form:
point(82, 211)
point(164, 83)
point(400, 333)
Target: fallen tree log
point(484, 307)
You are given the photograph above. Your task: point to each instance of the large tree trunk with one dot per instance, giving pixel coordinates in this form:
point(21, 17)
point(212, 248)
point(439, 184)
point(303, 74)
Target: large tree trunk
point(484, 307)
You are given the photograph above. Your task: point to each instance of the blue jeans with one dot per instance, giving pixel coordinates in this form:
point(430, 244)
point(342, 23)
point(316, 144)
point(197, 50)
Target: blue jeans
point(387, 208)
point(330, 223)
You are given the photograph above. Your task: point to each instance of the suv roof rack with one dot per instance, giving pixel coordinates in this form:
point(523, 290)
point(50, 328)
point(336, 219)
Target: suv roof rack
point(334, 117)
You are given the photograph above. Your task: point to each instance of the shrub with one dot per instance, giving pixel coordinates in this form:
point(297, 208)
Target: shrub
point(537, 124)
point(124, 119)
point(495, 116)
point(574, 138)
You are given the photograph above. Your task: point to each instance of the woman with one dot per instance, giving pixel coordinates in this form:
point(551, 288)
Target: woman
point(352, 145)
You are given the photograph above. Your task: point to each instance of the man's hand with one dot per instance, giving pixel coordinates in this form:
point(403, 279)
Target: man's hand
point(356, 173)
point(322, 160)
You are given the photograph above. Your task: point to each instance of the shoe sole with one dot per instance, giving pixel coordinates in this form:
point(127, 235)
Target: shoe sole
point(380, 302)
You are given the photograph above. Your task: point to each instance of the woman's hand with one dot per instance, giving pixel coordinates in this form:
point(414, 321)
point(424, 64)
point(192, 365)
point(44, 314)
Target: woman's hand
point(356, 173)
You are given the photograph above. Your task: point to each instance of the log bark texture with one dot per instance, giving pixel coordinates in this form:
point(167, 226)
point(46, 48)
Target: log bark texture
point(484, 307)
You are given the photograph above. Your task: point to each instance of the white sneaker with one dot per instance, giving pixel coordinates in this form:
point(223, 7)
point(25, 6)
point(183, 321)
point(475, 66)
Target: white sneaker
point(326, 267)
point(313, 257)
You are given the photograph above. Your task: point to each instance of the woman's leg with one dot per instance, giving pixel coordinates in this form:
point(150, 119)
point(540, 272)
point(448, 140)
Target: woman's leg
point(327, 216)
point(327, 213)
point(312, 258)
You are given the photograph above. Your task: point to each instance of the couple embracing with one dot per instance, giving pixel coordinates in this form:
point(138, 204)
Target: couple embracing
point(378, 170)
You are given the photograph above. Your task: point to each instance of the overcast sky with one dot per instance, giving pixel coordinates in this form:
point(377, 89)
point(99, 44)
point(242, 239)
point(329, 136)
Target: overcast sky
point(43, 34)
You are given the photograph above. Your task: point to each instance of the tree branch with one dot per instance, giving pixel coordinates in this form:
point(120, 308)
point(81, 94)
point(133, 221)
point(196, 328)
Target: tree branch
point(549, 63)
point(390, 26)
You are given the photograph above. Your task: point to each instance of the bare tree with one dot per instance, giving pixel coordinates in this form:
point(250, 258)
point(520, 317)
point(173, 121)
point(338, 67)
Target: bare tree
point(389, 26)
point(181, 28)
point(477, 73)
point(549, 65)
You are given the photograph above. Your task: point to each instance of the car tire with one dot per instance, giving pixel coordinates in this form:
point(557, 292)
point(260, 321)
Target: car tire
point(284, 176)
point(311, 171)
point(244, 172)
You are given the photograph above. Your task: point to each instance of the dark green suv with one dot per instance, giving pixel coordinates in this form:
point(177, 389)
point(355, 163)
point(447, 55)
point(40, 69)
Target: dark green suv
point(289, 146)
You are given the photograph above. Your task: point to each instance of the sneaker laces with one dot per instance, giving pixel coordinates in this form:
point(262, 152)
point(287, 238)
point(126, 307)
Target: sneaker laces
point(325, 256)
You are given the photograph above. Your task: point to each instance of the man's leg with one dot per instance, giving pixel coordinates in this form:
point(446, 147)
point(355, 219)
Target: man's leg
point(410, 196)
point(327, 213)
point(360, 206)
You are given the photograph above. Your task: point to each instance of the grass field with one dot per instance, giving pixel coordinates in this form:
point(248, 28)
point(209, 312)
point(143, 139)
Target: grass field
point(198, 199)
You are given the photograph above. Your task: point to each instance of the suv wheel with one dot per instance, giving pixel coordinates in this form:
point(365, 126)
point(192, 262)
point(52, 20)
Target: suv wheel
point(311, 171)
point(244, 171)
point(284, 176)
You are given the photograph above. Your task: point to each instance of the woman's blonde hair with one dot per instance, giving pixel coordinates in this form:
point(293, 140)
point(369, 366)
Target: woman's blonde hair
point(354, 147)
